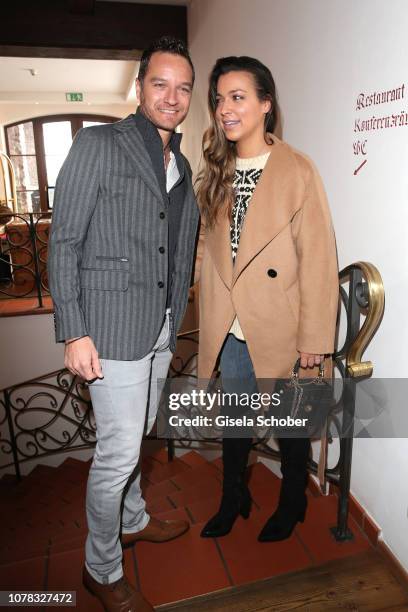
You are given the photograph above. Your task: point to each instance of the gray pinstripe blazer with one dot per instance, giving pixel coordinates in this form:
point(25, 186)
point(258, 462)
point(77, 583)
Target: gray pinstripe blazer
point(107, 277)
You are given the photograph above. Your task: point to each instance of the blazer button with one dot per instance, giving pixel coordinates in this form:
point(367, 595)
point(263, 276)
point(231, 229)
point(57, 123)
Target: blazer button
point(272, 273)
point(161, 250)
point(160, 284)
point(162, 215)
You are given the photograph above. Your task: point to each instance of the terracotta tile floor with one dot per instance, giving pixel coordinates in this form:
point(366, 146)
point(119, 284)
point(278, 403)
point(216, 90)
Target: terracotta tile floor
point(205, 488)
point(198, 569)
point(162, 504)
point(315, 532)
point(162, 489)
point(165, 471)
point(42, 539)
point(23, 575)
point(201, 510)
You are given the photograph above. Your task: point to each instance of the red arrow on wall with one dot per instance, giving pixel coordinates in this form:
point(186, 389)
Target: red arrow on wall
point(359, 168)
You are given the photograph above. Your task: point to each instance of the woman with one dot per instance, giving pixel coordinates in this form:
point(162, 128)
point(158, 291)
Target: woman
point(268, 272)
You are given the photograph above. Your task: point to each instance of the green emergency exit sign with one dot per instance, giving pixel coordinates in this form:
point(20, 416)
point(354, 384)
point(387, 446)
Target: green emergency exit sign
point(74, 97)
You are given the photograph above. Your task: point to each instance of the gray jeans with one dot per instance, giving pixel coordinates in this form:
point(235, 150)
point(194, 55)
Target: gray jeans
point(125, 405)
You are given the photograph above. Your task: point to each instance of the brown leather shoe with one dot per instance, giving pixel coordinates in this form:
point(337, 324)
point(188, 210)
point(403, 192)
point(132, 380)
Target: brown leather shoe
point(156, 531)
point(119, 596)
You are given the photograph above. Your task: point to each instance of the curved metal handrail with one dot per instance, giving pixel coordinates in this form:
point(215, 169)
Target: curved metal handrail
point(373, 293)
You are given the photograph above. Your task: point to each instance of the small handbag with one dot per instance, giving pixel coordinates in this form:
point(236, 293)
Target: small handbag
point(306, 401)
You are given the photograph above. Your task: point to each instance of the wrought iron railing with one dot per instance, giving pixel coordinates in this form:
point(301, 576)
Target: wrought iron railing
point(45, 416)
point(23, 256)
point(53, 414)
point(365, 299)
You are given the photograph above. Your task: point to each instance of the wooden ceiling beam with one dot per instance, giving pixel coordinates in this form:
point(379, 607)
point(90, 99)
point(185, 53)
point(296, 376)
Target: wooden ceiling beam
point(68, 53)
point(113, 25)
point(82, 7)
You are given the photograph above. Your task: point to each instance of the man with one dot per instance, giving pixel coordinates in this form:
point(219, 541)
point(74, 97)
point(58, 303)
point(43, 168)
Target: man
point(121, 251)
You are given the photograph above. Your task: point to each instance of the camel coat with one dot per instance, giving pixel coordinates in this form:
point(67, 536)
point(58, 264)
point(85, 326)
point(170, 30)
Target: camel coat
point(283, 286)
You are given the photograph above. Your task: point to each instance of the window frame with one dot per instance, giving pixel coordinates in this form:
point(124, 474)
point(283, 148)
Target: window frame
point(76, 120)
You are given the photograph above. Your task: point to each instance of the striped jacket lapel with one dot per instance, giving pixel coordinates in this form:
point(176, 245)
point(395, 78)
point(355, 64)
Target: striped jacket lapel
point(129, 139)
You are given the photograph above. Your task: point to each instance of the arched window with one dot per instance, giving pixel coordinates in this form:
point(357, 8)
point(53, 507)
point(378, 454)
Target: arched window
point(37, 148)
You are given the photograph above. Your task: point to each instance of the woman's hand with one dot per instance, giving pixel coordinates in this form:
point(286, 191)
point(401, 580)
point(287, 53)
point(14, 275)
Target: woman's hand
point(308, 360)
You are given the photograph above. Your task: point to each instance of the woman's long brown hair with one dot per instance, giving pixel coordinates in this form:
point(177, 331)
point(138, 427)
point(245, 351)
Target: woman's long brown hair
point(215, 192)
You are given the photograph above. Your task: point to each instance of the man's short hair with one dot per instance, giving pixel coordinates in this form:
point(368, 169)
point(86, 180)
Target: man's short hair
point(165, 44)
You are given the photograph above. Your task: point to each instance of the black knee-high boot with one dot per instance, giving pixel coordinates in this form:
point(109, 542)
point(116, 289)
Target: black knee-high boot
point(292, 499)
point(236, 499)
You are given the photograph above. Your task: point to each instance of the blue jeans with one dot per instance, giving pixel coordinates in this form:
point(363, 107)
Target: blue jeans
point(237, 376)
point(236, 365)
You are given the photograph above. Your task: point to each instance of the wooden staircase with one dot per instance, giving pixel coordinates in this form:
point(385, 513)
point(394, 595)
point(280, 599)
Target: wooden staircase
point(43, 532)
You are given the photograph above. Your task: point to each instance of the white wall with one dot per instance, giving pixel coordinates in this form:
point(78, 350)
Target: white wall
point(28, 348)
point(322, 54)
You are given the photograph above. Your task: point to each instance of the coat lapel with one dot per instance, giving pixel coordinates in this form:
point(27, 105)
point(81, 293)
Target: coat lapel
point(130, 140)
point(219, 244)
point(272, 206)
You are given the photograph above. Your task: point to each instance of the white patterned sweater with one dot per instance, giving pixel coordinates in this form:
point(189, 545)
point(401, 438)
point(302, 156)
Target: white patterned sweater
point(247, 174)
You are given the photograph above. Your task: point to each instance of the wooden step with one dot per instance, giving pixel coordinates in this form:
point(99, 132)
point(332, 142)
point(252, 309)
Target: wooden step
point(361, 582)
